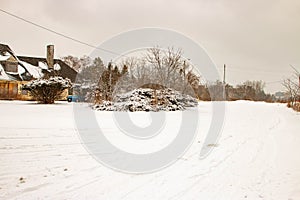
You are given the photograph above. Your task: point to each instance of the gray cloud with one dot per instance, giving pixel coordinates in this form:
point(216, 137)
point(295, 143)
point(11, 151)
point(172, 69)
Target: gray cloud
point(256, 39)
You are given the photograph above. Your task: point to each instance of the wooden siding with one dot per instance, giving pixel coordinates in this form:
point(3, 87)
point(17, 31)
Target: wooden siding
point(12, 90)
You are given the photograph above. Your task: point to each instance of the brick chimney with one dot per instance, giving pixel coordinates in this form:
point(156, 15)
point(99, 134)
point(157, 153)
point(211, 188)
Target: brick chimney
point(50, 56)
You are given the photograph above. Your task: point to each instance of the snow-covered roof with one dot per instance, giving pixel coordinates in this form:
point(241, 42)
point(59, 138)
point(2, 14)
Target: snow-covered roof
point(57, 67)
point(6, 53)
point(35, 66)
point(43, 65)
point(3, 75)
point(35, 71)
point(12, 75)
point(20, 71)
point(4, 57)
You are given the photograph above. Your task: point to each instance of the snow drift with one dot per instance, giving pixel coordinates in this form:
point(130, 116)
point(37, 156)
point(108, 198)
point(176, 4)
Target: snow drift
point(256, 157)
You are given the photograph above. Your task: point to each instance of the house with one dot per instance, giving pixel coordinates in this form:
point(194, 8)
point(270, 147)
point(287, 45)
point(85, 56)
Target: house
point(9, 65)
point(18, 70)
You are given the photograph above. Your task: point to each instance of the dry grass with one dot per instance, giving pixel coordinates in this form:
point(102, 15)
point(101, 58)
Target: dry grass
point(296, 106)
point(212, 145)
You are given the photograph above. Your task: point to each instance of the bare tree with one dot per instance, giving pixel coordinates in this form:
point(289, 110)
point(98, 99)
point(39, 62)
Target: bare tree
point(255, 90)
point(188, 79)
point(130, 63)
point(173, 61)
point(193, 80)
point(154, 57)
point(216, 90)
point(134, 74)
point(292, 89)
point(166, 64)
point(157, 66)
point(77, 63)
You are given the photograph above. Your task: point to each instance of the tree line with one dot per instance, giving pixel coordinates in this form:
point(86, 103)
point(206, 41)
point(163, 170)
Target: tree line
point(167, 68)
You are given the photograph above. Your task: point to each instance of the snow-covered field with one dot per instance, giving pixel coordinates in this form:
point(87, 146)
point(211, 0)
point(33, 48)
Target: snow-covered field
point(257, 157)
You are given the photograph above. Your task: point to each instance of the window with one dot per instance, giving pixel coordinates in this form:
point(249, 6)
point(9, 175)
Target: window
point(11, 67)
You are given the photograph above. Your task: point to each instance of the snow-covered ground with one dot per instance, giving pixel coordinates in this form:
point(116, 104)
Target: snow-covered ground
point(257, 156)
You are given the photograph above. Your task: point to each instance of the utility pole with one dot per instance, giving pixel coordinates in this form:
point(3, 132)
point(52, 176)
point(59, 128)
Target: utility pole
point(224, 73)
point(298, 73)
point(224, 83)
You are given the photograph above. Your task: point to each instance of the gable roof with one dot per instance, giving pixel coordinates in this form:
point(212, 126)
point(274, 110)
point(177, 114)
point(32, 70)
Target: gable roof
point(65, 70)
point(5, 48)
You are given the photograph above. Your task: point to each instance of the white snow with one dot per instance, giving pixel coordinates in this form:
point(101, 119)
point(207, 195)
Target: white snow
point(256, 158)
point(4, 57)
point(65, 83)
point(43, 65)
point(35, 71)
point(21, 70)
point(141, 100)
point(57, 67)
point(3, 75)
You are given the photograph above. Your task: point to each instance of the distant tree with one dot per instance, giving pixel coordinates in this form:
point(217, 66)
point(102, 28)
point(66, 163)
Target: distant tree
point(135, 73)
point(192, 82)
point(88, 78)
point(258, 87)
point(203, 93)
point(231, 94)
point(158, 66)
point(108, 80)
point(47, 90)
point(77, 63)
point(72, 61)
point(245, 92)
point(124, 70)
point(216, 90)
point(91, 73)
point(126, 81)
point(166, 65)
point(293, 90)
point(250, 90)
point(85, 61)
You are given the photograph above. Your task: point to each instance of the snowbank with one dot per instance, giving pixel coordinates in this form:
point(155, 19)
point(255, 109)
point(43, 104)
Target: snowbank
point(149, 100)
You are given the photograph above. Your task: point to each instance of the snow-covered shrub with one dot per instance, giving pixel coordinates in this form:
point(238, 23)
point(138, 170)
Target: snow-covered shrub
point(145, 99)
point(47, 90)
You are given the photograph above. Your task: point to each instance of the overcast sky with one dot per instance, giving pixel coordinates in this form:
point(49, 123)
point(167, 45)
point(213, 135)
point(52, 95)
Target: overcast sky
point(256, 39)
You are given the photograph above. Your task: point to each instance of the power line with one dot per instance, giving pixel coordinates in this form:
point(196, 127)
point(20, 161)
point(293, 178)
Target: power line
point(272, 82)
point(60, 34)
point(295, 69)
point(252, 68)
point(255, 71)
point(92, 46)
